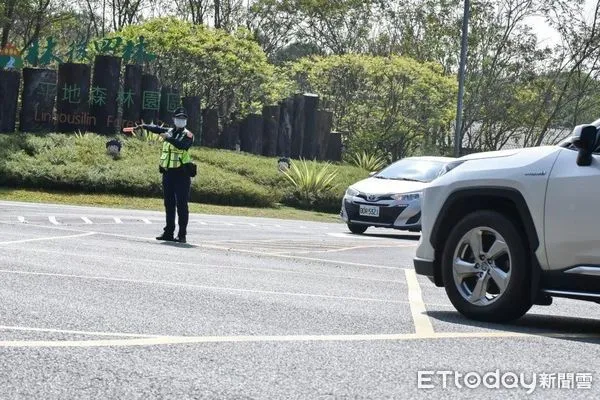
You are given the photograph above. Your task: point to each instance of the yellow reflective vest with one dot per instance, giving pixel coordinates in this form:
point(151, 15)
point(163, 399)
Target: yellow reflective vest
point(172, 157)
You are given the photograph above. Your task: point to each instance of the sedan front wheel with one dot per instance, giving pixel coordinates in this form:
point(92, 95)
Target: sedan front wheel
point(357, 228)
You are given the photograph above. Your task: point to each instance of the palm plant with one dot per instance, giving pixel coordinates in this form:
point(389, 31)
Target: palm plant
point(310, 180)
point(368, 161)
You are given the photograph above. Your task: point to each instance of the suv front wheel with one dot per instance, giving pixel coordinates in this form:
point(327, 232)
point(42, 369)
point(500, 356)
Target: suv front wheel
point(485, 269)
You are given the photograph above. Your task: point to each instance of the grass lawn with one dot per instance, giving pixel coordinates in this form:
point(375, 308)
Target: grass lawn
point(148, 203)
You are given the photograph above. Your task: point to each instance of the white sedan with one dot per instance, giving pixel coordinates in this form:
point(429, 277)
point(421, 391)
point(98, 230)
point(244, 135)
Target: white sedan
point(391, 198)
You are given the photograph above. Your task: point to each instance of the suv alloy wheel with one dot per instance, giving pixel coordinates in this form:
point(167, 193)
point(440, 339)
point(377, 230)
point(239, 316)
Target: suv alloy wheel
point(485, 268)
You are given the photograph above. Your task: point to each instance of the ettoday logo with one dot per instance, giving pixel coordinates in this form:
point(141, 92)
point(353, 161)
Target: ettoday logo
point(503, 380)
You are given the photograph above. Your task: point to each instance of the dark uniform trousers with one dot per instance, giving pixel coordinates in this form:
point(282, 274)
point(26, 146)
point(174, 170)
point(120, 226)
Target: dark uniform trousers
point(176, 191)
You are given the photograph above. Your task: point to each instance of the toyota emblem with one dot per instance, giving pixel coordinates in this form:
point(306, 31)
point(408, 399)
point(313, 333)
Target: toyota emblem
point(371, 197)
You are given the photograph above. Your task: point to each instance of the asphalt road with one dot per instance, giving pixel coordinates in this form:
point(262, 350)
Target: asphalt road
point(92, 306)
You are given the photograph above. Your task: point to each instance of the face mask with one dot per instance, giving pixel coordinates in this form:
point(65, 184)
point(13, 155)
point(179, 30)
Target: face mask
point(180, 122)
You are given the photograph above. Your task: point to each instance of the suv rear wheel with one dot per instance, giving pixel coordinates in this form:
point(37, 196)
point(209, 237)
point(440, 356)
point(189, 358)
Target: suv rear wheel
point(485, 268)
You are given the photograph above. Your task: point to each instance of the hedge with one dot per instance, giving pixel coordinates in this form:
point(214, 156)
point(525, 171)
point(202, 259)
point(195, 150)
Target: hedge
point(79, 163)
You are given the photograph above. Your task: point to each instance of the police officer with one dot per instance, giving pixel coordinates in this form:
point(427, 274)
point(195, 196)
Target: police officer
point(176, 180)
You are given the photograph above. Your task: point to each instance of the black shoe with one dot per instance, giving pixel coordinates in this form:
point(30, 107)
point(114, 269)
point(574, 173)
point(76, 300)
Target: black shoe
point(166, 237)
point(180, 239)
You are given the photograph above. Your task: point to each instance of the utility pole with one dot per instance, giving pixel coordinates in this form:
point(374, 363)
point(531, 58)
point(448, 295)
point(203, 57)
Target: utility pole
point(461, 81)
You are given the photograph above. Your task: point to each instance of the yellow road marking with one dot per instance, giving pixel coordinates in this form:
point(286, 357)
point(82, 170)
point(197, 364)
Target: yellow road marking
point(417, 306)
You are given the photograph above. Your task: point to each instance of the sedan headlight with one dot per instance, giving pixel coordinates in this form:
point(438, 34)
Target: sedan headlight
point(407, 196)
point(352, 192)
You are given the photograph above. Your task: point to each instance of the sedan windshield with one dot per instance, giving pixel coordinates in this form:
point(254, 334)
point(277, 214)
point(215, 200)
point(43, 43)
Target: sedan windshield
point(412, 170)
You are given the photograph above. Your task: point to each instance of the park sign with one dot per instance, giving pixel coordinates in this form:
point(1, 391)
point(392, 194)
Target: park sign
point(129, 51)
point(81, 95)
point(10, 58)
point(10, 61)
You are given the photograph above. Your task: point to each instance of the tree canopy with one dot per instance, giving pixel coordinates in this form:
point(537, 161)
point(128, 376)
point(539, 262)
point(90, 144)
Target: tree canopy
point(229, 71)
point(372, 59)
point(385, 104)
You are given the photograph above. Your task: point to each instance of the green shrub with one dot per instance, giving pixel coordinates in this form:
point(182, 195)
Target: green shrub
point(79, 163)
point(258, 169)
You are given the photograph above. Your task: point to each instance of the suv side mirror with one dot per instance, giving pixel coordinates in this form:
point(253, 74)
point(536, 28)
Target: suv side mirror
point(586, 143)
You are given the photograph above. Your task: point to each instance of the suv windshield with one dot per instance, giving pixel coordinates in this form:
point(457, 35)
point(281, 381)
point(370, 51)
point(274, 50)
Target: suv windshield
point(412, 170)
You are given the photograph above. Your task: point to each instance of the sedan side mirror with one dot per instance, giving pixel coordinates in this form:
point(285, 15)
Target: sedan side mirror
point(372, 173)
point(586, 143)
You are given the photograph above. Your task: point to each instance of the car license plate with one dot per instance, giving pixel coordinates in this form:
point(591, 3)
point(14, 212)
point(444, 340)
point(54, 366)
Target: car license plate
point(369, 211)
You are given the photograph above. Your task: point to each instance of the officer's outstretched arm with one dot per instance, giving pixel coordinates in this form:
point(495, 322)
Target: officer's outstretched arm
point(184, 142)
point(154, 128)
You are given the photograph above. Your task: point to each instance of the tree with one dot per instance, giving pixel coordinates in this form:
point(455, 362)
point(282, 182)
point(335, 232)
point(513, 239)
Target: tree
point(124, 12)
point(575, 70)
point(503, 54)
point(294, 52)
point(32, 28)
point(516, 91)
point(195, 11)
point(8, 13)
point(229, 72)
point(426, 30)
point(34, 20)
point(337, 27)
point(391, 104)
point(273, 24)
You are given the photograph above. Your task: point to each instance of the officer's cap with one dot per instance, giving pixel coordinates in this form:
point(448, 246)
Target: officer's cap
point(180, 113)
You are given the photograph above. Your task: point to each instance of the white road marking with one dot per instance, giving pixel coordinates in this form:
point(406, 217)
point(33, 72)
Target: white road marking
point(208, 246)
point(201, 222)
point(149, 263)
point(117, 220)
point(21, 219)
point(262, 253)
point(92, 333)
point(349, 249)
point(146, 220)
point(48, 238)
point(258, 241)
point(344, 235)
point(189, 285)
point(322, 260)
point(87, 220)
point(53, 220)
point(417, 306)
point(171, 340)
point(227, 223)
